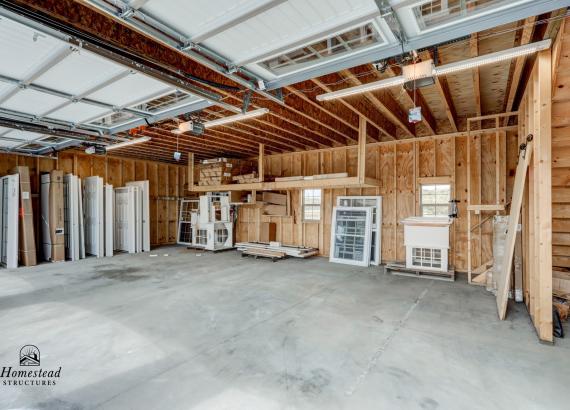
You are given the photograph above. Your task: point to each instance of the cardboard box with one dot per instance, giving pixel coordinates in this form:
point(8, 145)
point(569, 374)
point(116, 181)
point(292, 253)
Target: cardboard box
point(56, 216)
point(274, 198)
point(26, 238)
point(267, 232)
point(276, 210)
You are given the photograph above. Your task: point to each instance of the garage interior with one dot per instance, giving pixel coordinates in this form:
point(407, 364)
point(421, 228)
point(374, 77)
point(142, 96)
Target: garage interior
point(270, 204)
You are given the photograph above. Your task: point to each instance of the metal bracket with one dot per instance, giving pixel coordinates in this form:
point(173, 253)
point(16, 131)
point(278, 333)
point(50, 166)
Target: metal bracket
point(246, 101)
point(391, 19)
point(127, 13)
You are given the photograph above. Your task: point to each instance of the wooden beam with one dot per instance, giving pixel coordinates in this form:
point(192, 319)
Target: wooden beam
point(316, 112)
point(260, 162)
point(357, 106)
point(526, 36)
point(322, 108)
point(345, 182)
point(190, 176)
point(293, 138)
point(443, 89)
point(361, 172)
point(474, 51)
point(385, 104)
point(543, 176)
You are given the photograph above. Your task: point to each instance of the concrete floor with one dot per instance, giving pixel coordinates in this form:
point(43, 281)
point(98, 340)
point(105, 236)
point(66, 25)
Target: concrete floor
point(200, 331)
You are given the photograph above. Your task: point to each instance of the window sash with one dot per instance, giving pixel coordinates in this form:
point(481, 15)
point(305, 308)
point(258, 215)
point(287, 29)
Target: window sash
point(312, 204)
point(434, 199)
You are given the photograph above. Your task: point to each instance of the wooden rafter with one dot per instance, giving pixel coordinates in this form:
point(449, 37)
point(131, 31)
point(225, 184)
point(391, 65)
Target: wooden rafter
point(257, 134)
point(321, 107)
point(474, 51)
point(443, 89)
point(359, 107)
point(314, 110)
point(384, 102)
point(525, 38)
point(276, 125)
point(206, 143)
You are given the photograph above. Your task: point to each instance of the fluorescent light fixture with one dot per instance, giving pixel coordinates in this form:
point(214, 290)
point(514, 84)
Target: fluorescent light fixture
point(493, 57)
point(376, 85)
point(442, 70)
point(237, 117)
point(127, 143)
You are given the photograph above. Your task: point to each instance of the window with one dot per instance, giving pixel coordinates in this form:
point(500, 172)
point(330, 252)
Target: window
point(348, 41)
point(437, 12)
point(312, 204)
point(435, 199)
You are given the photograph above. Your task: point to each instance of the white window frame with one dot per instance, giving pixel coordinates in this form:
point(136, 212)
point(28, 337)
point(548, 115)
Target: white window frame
point(9, 224)
point(436, 205)
point(376, 253)
point(312, 205)
point(367, 217)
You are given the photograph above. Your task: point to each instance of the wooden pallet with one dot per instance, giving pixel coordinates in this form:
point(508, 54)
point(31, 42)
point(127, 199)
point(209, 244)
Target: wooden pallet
point(401, 270)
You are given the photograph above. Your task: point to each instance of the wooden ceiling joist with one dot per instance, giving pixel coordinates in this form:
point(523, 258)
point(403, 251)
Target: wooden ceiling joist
point(323, 108)
point(229, 134)
point(314, 112)
point(443, 89)
point(474, 51)
point(360, 107)
point(274, 135)
point(279, 125)
point(517, 71)
point(383, 101)
point(209, 143)
point(207, 140)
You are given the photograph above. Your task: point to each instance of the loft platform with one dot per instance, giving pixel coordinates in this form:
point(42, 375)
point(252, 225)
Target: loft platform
point(346, 182)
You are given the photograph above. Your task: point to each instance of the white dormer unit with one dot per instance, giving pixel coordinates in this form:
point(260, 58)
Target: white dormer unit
point(427, 243)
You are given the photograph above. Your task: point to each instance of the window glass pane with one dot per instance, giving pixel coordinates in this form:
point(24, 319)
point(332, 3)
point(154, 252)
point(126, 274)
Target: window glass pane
point(437, 12)
point(435, 199)
point(312, 204)
point(348, 41)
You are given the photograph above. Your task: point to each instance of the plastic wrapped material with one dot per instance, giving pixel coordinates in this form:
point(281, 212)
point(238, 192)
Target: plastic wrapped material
point(500, 224)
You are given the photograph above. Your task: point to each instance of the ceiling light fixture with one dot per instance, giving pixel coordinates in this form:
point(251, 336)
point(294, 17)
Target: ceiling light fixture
point(493, 57)
point(237, 117)
point(127, 143)
point(442, 70)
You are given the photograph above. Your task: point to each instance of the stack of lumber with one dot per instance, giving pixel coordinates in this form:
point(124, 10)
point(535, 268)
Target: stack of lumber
point(561, 284)
point(274, 203)
point(275, 248)
point(246, 178)
point(312, 177)
point(219, 171)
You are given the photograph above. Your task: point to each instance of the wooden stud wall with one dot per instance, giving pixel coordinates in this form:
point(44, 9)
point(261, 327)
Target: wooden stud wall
point(167, 183)
point(561, 149)
point(400, 166)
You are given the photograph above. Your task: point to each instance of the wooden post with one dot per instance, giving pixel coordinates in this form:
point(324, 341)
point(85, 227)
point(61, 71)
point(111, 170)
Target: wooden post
point(468, 180)
point(260, 163)
point(190, 176)
point(361, 172)
point(543, 172)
